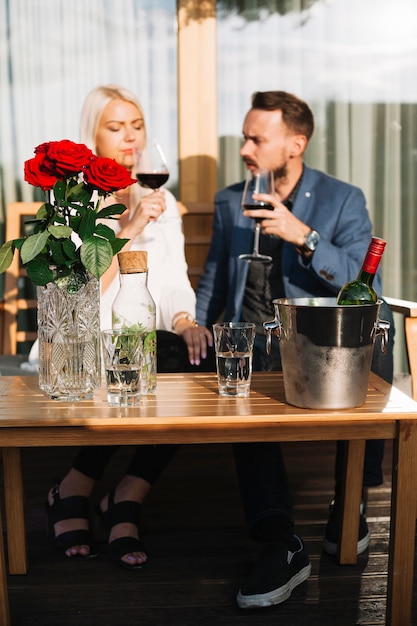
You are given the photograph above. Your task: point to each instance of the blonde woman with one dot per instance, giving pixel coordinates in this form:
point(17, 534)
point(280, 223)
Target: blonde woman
point(113, 126)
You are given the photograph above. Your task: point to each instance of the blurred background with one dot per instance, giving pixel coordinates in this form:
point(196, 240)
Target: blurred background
point(194, 65)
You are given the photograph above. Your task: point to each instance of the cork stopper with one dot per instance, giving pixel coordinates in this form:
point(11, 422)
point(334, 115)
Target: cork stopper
point(133, 262)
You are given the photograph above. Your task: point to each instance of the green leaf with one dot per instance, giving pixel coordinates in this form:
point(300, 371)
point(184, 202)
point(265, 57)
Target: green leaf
point(39, 227)
point(39, 271)
point(58, 218)
point(60, 232)
point(18, 243)
point(69, 249)
point(87, 224)
point(113, 209)
point(40, 215)
point(57, 252)
point(117, 244)
point(104, 231)
point(96, 255)
point(33, 245)
point(6, 255)
point(74, 222)
point(81, 194)
point(59, 190)
point(74, 189)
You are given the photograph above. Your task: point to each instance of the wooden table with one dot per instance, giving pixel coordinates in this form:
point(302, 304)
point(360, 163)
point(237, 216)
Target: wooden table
point(187, 409)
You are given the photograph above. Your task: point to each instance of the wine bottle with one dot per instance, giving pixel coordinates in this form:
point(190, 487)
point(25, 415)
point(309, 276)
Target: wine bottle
point(360, 290)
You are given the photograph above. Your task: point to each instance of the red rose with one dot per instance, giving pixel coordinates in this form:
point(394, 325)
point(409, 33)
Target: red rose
point(107, 175)
point(44, 147)
point(36, 174)
point(65, 158)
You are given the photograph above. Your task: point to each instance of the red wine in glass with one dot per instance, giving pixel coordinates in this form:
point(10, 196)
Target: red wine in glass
point(260, 205)
point(151, 168)
point(152, 180)
point(257, 181)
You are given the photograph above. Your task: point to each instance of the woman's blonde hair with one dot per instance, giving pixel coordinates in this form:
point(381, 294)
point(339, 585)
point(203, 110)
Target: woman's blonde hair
point(93, 108)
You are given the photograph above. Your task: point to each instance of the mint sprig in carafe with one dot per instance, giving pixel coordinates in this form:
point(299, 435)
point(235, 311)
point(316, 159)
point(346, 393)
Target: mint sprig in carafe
point(360, 290)
point(134, 309)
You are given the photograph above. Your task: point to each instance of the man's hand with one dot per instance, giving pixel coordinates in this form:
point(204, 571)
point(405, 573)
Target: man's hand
point(197, 338)
point(280, 222)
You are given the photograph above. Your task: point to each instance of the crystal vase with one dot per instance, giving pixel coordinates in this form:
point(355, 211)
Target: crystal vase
point(68, 331)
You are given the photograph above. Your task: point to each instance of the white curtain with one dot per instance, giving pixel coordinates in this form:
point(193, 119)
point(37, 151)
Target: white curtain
point(355, 62)
point(53, 52)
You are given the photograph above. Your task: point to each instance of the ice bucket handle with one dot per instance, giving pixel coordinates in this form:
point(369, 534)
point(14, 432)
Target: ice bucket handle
point(381, 328)
point(274, 327)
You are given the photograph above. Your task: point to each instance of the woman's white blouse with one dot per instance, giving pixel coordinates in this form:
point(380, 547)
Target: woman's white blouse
point(168, 280)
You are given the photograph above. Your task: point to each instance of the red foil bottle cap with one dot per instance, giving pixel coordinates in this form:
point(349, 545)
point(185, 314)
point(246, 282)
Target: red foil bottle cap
point(373, 255)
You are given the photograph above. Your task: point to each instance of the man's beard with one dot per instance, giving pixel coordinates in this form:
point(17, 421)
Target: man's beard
point(280, 173)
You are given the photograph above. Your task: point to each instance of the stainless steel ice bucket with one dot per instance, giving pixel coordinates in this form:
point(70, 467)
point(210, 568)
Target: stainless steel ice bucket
point(326, 350)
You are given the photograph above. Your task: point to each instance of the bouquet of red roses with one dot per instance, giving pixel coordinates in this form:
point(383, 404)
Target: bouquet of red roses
point(68, 235)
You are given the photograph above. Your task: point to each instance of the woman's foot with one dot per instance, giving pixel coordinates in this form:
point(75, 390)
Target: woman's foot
point(120, 513)
point(68, 516)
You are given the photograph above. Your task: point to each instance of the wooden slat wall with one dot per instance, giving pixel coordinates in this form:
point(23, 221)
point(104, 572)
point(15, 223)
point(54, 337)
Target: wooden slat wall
point(198, 143)
point(197, 230)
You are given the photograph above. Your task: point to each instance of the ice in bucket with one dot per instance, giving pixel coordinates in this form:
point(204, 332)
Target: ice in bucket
point(234, 345)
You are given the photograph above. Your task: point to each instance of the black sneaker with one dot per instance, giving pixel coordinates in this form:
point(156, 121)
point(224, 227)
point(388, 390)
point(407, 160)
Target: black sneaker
point(277, 572)
point(331, 535)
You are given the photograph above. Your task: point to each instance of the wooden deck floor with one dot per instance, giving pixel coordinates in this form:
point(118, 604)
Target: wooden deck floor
point(199, 552)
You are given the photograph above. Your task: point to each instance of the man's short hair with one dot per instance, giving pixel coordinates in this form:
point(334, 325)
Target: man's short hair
point(296, 114)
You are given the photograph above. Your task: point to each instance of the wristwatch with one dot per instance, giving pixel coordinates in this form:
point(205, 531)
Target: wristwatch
point(311, 241)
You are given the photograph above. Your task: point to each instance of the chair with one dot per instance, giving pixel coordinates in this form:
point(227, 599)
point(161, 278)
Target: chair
point(12, 338)
point(16, 288)
point(408, 309)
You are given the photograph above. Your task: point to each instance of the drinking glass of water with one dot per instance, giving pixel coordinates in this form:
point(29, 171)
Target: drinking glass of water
point(234, 345)
point(122, 359)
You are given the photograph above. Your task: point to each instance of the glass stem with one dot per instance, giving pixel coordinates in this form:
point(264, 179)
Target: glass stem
point(256, 239)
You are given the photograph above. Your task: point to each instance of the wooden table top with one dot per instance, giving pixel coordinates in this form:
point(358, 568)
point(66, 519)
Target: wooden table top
point(187, 408)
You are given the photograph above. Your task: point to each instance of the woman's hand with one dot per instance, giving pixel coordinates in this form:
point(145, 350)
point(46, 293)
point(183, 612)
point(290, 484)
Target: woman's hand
point(149, 209)
point(197, 338)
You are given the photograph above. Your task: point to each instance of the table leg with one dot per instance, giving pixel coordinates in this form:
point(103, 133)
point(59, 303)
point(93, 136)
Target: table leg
point(4, 596)
point(403, 525)
point(351, 499)
point(14, 499)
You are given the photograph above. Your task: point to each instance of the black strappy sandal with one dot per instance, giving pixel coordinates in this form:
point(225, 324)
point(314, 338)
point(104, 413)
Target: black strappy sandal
point(62, 509)
point(127, 511)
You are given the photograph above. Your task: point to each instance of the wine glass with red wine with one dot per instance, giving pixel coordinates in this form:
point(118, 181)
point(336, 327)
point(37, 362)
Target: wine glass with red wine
point(257, 181)
point(151, 168)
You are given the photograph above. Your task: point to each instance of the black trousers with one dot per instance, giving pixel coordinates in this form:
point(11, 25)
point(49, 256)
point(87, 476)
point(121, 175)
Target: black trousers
point(148, 461)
